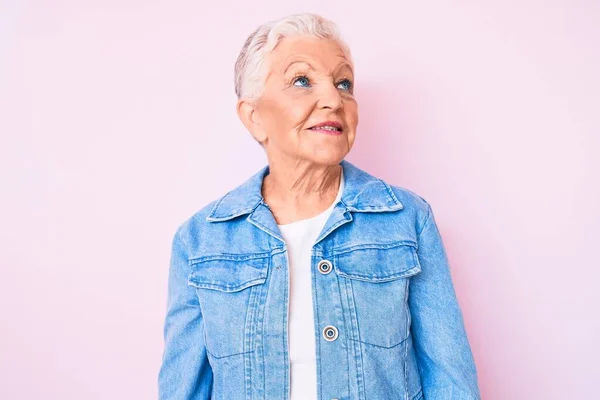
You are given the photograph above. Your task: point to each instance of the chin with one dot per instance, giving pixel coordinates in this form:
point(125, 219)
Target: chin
point(328, 157)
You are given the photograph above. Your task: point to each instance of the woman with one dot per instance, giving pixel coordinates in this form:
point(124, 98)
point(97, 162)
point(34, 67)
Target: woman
point(296, 283)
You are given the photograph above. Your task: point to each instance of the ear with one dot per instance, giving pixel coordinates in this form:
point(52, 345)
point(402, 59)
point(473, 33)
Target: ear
point(248, 114)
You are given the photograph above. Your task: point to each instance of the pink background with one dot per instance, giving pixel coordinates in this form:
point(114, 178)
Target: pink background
point(117, 122)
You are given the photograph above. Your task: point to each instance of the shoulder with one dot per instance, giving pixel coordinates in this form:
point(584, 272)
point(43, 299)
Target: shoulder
point(413, 204)
point(409, 198)
point(396, 197)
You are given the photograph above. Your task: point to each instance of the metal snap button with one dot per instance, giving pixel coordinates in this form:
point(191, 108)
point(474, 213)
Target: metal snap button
point(324, 266)
point(330, 333)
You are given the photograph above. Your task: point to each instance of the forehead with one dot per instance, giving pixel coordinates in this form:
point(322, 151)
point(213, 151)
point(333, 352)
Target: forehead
point(320, 53)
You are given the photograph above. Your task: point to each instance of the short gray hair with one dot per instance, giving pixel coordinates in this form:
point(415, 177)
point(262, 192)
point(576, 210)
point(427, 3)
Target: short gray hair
point(249, 71)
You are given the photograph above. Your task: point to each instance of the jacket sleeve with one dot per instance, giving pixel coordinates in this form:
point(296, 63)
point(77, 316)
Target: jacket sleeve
point(185, 373)
point(442, 349)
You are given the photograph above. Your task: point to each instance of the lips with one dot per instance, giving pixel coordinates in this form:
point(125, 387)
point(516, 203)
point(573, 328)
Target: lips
point(331, 126)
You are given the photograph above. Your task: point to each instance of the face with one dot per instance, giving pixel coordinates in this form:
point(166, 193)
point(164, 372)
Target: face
point(309, 83)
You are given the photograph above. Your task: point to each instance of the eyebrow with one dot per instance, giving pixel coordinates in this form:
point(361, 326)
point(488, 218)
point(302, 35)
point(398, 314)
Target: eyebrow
point(340, 66)
point(344, 64)
point(296, 62)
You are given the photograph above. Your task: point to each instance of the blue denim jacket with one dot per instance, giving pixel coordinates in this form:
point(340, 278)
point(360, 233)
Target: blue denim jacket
point(387, 321)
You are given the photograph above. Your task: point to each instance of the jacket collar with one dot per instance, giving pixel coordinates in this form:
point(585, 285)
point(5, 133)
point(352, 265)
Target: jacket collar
point(362, 193)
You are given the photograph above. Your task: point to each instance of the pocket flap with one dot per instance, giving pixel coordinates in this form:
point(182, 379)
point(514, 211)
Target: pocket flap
point(378, 263)
point(228, 275)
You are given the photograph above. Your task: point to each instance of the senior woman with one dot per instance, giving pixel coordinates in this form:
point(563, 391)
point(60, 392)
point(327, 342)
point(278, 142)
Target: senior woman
point(313, 279)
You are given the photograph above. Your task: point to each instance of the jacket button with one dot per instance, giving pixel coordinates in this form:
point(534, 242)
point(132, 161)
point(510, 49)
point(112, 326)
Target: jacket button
point(324, 267)
point(330, 333)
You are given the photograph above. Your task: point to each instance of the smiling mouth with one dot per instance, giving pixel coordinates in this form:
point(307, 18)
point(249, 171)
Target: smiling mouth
point(327, 130)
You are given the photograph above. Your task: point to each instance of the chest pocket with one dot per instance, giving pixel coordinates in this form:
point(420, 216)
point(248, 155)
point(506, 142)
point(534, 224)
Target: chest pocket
point(228, 288)
point(377, 279)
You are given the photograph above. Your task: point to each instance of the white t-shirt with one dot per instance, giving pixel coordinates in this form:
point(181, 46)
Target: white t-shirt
point(300, 237)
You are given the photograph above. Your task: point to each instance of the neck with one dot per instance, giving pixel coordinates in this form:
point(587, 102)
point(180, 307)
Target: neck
point(300, 190)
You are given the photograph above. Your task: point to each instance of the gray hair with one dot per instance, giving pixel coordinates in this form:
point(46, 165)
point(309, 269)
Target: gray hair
point(249, 71)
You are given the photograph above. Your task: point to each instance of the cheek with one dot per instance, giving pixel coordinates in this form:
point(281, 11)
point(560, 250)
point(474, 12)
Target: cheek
point(296, 111)
point(351, 112)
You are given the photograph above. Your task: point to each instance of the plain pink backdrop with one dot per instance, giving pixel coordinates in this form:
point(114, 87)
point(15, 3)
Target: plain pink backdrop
point(117, 122)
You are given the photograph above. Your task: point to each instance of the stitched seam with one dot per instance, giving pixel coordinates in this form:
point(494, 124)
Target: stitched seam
point(376, 246)
point(378, 345)
point(345, 324)
point(427, 218)
point(321, 253)
point(332, 228)
point(230, 257)
point(234, 213)
point(228, 288)
point(286, 327)
point(179, 239)
point(264, 228)
point(406, 344)
point(249, 342)
point(229, 355)
point(216, 206)
point(418, 395)
point(265, 293)
point(360, 368)
point(391, 192)
point(387, 278)
point(318, 342)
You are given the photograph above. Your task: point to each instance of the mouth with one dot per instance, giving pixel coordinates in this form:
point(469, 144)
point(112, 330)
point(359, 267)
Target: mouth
point(328, 127)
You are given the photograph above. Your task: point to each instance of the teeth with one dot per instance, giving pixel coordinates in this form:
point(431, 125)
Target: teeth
point(329, 128)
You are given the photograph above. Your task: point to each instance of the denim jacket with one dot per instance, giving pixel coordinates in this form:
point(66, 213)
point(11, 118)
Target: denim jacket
point(386, 317)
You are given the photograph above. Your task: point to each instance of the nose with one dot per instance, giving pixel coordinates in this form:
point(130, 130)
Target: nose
point(330, 98)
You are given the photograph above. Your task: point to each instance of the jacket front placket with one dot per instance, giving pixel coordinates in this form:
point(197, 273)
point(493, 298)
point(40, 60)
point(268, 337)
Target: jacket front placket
point(332, 356)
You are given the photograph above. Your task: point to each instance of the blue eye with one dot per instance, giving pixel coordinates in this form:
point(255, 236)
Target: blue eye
point(346, 83)
point(302, 80)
